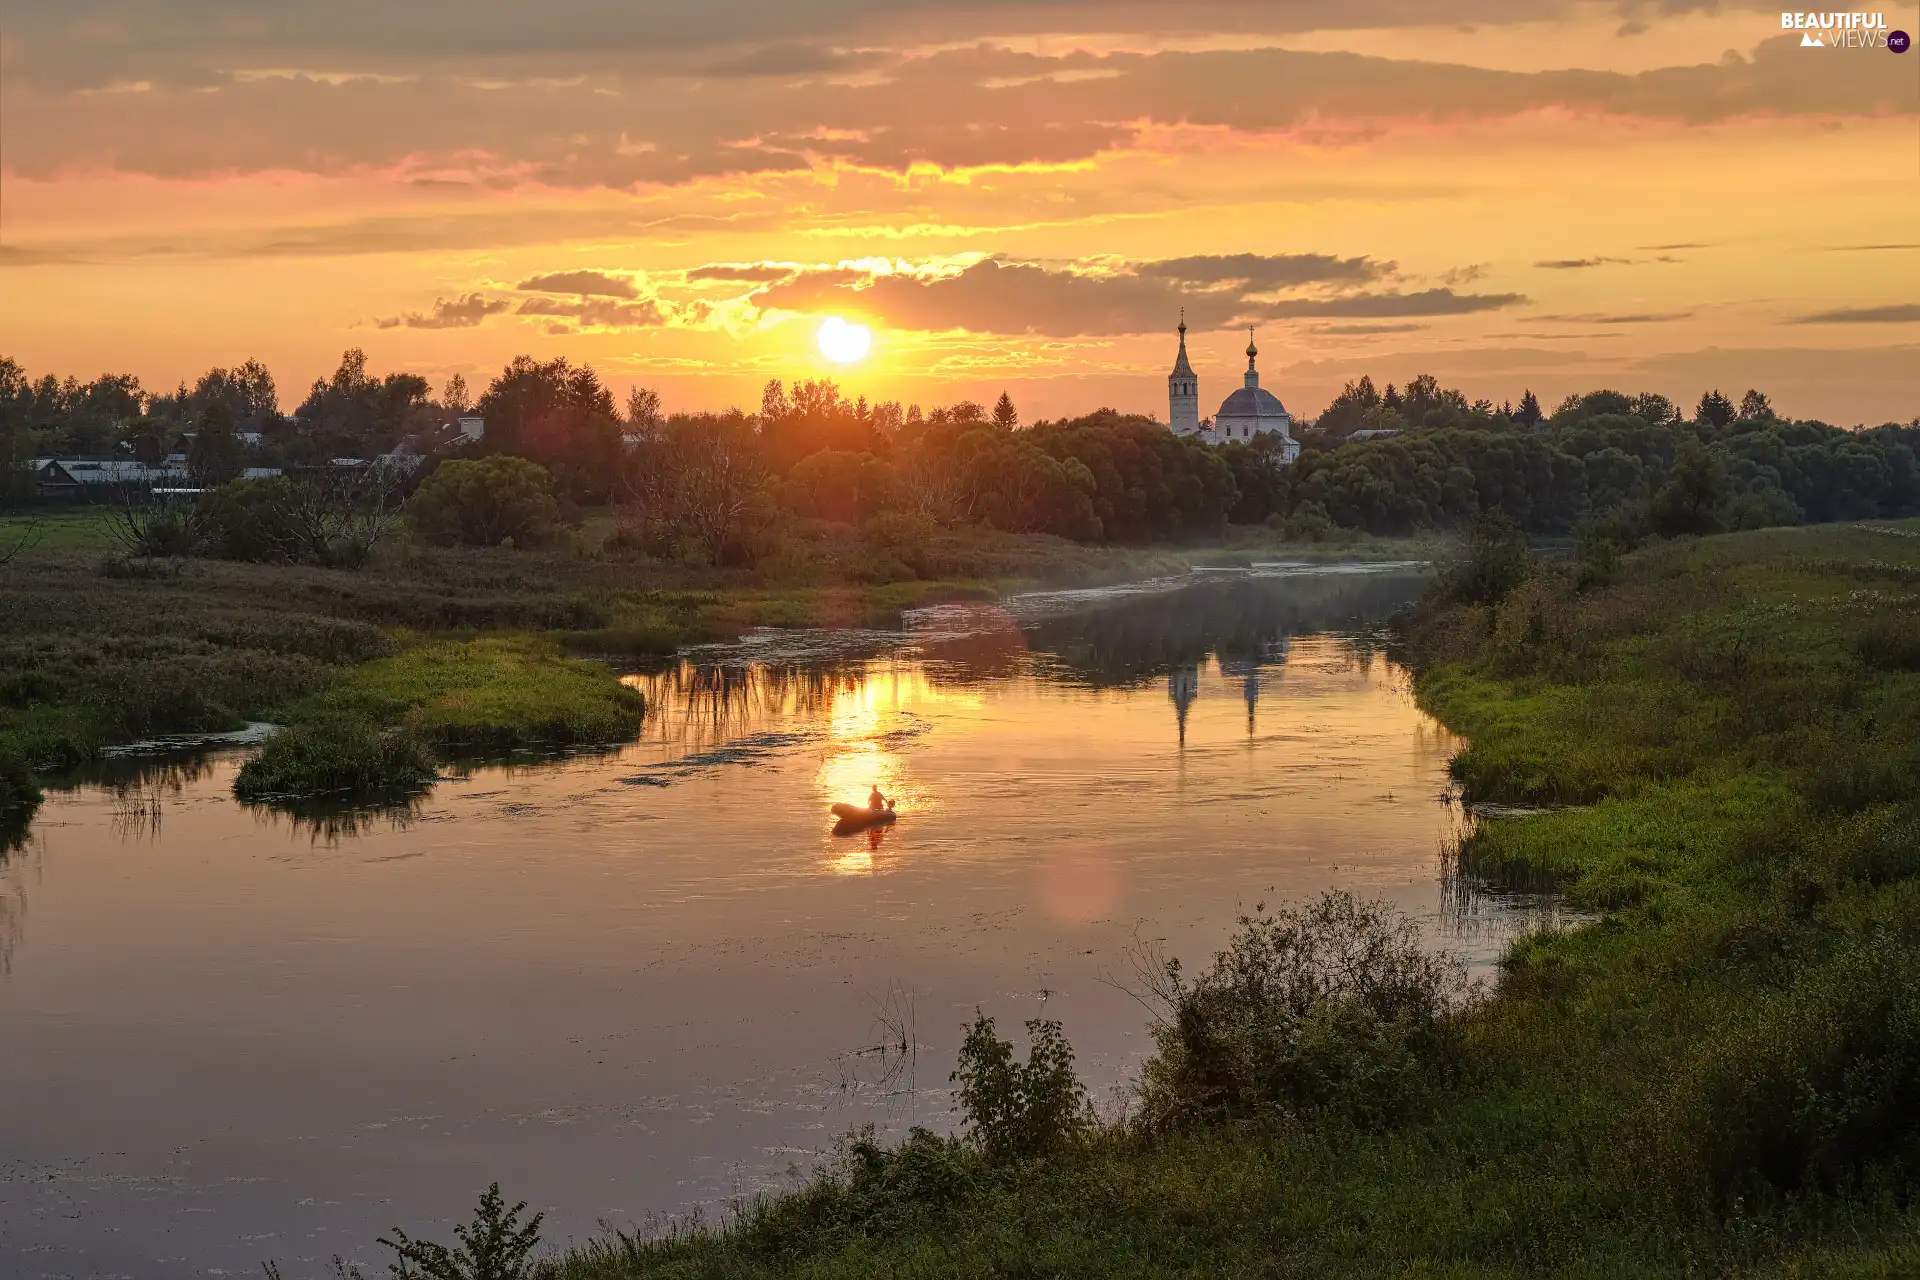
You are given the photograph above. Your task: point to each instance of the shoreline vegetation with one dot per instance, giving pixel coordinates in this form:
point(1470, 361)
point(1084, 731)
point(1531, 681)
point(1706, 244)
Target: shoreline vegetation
point(442, 653)
point(1719, 1075)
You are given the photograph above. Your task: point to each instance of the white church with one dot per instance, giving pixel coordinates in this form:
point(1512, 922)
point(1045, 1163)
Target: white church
point(1248, 413)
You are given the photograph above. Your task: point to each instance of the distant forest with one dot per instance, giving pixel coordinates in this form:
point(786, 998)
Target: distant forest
point(712, 484)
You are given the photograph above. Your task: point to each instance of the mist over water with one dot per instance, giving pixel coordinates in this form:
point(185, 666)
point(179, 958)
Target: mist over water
point(652, 979)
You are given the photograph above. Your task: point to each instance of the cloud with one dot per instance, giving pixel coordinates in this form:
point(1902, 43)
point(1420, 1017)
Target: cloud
point(1368, 328)
point(742, 272)
point(999, 295)
point(513, 122)
point(1643, 317)
point(1266, 273)
point(1893, 313)
point(1427, 302)
point(1869, 248)
point(584, 283)
point(1579, 264)
point(462, 313)
point(595, 313)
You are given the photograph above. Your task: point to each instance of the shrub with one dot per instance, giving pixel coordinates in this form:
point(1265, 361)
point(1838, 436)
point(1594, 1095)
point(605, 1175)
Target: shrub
point(1331, 1008)
point(1497, 559)
point(486, 503)
point(248, 520)
point(1016, 1110)
point(1805, 1090)
point(1889, 644)
point(19, 793)
point(493, 1247)
point(339, 758)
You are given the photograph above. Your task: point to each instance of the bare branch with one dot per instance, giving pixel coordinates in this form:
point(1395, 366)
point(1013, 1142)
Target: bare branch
point(28, 539)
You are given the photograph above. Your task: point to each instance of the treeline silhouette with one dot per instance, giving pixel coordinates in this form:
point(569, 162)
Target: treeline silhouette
point(722, 486)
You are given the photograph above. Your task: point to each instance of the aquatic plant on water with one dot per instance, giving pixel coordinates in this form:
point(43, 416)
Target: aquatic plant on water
point(336, 759)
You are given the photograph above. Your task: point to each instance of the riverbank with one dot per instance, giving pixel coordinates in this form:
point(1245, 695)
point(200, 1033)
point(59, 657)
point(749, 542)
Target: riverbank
point(469, 648)
point(1720, 1075)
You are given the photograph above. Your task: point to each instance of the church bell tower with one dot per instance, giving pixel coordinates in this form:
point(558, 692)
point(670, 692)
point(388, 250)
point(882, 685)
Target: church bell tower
point(1183, 391)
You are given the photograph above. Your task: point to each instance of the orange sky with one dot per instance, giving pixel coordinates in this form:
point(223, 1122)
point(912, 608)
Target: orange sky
point(1015, 194)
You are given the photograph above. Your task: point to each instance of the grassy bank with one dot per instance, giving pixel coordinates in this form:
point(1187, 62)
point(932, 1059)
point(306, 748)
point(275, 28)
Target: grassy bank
point(1720, 1075)
point(465, 643)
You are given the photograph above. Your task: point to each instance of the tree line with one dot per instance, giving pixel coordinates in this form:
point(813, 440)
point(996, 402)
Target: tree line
point(728, 487)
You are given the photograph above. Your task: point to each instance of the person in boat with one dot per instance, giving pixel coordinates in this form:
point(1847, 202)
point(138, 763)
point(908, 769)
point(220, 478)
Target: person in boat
point(876, 801)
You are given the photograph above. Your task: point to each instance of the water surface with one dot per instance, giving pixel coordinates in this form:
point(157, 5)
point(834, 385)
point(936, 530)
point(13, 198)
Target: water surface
point(648, 980)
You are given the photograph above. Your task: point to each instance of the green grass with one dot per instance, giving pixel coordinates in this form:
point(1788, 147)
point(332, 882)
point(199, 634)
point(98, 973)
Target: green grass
point(336, 760)
point(59, 529)
point(495, 691)
point(1719, 1076)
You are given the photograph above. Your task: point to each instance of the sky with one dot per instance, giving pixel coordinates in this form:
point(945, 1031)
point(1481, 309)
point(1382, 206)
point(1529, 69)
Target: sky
point(1662, 195)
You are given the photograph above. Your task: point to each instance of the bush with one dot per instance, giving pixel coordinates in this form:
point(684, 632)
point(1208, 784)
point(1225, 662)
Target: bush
point(1805, 1090)
point(1333, 1008)
point(1014, 1110)
point(247, 520)
point(494, 1247)
point(19, 793)
point(1497, 560)
point(336, 759)
point(1889, 645)
point(486, 503)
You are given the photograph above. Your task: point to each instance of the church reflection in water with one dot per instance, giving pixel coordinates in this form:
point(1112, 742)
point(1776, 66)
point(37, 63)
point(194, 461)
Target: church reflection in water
point(721, 704)
point(1268, 661)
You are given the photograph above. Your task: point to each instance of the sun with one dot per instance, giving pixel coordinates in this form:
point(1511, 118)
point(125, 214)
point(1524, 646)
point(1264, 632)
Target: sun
point(844, 343)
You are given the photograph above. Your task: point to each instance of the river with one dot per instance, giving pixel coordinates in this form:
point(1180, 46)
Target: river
point(645, 981)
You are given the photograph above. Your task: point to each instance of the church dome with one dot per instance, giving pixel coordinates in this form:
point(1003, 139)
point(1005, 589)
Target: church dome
point(1252, 402)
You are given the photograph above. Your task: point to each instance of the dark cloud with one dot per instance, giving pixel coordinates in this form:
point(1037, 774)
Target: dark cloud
point(598, 313)
point(741, 272)
point(997, 295)
point(100, 42)
point(462, 313)
point(587, 284)
point(1266, 273)
point(1870, 248)
point(1579, 264)
point(1894, 313)
point(1427, 302)
point(1691, 244)
point(973, 106)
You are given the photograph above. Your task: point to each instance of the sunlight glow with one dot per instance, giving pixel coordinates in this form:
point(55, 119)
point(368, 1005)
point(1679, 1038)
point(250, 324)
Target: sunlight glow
point(842, 342)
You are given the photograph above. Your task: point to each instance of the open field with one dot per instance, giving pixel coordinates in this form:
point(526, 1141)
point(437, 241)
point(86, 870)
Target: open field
point(1721, 1075)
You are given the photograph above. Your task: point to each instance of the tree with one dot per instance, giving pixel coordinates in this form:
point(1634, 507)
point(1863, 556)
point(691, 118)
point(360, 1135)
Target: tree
point(643, 409)
point(1690, 501)
point(1754, 407)
point(1005, 416)
point(1715, 409)
point(215, 456)
point(485, 502)
point(455, 396)
point(561, 416)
